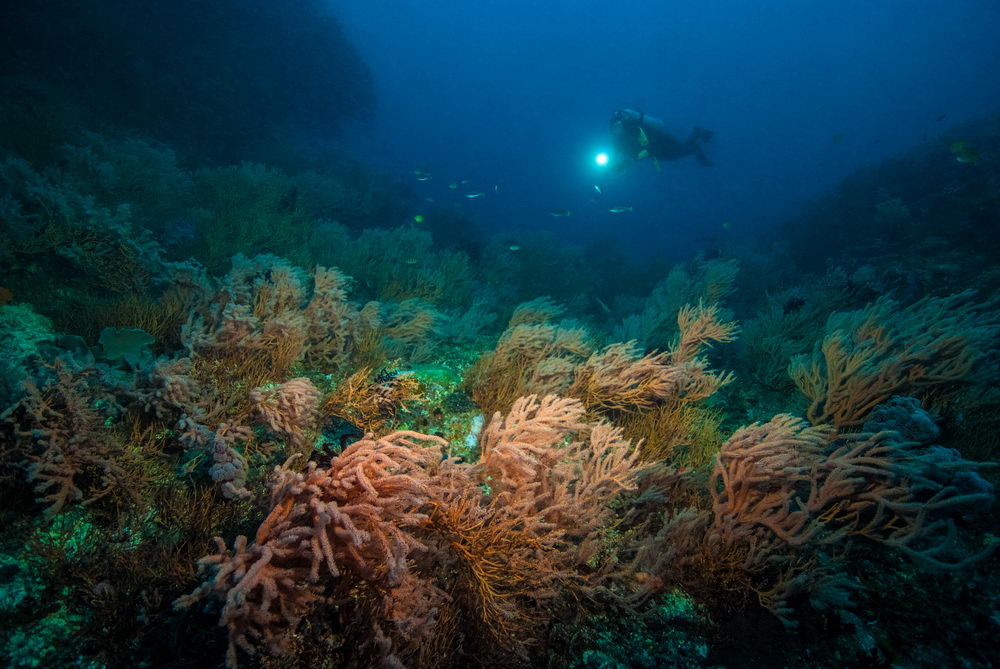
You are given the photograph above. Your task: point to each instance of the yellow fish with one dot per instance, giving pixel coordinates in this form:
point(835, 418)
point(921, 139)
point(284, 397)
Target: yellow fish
point(965, 153)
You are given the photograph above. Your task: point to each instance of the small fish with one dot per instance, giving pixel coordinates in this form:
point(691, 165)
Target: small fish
point(964, 153)
point(727, 225)
point(424, 177)
point(514, 247)
point(418, 219)
point(410, 261)
point(598, 189)
point(618, 210)
point(473, 196)
point(453, 185)
point(560, 213)
point(466, 181)
point(496, 188)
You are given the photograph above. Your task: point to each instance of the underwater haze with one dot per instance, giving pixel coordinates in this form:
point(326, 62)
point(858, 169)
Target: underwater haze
point(518, 94)
point(447, 335)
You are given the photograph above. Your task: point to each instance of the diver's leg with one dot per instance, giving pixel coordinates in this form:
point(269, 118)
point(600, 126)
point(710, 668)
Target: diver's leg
point(693, 145)
point(701, 157)
point(699, 134)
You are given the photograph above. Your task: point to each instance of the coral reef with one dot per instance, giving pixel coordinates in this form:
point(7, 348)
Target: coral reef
point(329, 439)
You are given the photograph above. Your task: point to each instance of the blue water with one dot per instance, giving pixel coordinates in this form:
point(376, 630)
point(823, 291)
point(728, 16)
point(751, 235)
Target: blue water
point(518, 94)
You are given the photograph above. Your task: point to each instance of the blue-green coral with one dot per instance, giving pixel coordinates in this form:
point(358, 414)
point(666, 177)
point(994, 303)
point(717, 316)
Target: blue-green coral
point(21, 331)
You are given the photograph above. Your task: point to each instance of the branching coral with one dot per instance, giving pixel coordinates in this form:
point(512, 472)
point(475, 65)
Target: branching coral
point(503, 571)
point(55, 219)
point(685, 434)
point(527, 359)
point(777, 333)
point(614, 382)
point(388, 506)
point(550, 481)
point(335, 328)
point(263, 320)
point(620, 378)
point(229, 467)
point(371, 404)
point(786, 487)
point(399, 264)
point(648, 394)
point(255, 324)
point(698, 327)
point(61, 433)
point(351, 519)
point(538, 310)
point(249, 208)
point(702, 281)
point(397, 555)
point(409, 328)
point(289, 409)
point(930, 349)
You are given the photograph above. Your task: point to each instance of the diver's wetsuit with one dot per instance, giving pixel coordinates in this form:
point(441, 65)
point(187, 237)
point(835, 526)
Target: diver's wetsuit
point(637, 136)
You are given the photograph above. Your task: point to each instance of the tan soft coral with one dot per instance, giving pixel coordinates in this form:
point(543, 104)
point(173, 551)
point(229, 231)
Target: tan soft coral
point(290, 410)
point(932, 350)
point(549, 480)
point(398, 535)
point(353, 519)
point(63, 436)
point(372, 404)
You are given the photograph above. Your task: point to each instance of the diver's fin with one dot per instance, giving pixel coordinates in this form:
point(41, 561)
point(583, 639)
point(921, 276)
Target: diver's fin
point(642, 154)
point(699, 134)
point(643, 140)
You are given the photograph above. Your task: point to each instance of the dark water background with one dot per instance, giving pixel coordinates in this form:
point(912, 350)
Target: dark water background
point(518, 93)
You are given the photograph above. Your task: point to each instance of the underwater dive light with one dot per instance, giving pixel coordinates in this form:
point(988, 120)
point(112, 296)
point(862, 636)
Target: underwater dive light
point(601, 159)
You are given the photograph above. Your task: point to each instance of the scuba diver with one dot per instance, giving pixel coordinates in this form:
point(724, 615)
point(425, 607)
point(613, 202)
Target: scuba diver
point(636, 136)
